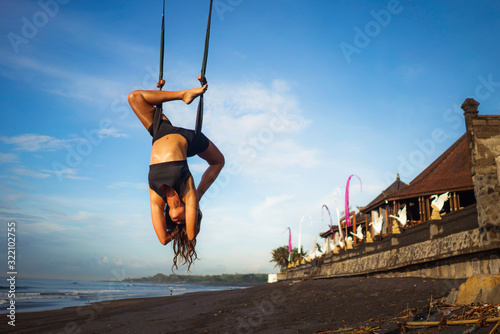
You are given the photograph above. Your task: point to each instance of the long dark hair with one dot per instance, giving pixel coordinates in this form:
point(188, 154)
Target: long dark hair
point(184, 249)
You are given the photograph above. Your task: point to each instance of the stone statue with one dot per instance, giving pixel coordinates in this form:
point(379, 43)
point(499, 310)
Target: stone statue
point(395, 227)
point(369, 239)
point(349, 242)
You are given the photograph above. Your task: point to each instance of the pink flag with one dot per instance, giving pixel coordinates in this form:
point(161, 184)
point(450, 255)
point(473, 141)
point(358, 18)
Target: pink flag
point(347, 213)
point(289, 240)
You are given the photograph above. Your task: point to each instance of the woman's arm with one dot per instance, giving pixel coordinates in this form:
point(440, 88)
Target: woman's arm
point(216, 161)
point(158, 217)
point(190, 200)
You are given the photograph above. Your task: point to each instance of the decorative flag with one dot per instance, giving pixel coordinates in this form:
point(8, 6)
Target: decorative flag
point(331, 223)
point(300, 230)
point(347, 213)
point(339, 192)
point(289, 240)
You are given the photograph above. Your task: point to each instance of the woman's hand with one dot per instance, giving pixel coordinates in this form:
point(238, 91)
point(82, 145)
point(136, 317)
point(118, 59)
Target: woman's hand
point(198, 223)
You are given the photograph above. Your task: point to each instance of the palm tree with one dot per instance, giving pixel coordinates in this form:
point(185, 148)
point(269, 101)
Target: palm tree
point(280, 256)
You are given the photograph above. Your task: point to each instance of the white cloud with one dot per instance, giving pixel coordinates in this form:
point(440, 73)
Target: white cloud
point(84, 215)
point(198, 167)
point(31, 173)
point(68, 173)
point(271, 202)
point(35, 143)
point(8, 158)
point(242, 112)
point(83, 86)
point(256, 127)
point(106, 260)
point(76, 177)
point(112, 132)
point(48, 227)
point(124, 184)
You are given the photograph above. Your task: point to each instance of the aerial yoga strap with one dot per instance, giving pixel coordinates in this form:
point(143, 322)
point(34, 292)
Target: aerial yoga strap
point(201, 77)
point(159, 108)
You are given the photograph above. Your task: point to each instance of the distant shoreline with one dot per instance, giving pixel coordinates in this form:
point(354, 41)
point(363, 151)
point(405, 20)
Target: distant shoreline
point(220, 280)
point(199, 283)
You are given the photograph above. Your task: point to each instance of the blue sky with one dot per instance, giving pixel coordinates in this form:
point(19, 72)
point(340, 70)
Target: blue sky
point(301, 95)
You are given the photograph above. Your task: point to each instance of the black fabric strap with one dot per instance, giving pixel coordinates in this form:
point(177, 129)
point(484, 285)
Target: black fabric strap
point(161, 82)
point(203, 80)
point(157, 119)
point(159, 108)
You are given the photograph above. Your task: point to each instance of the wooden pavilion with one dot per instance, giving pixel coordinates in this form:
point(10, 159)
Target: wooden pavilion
point(450, 172)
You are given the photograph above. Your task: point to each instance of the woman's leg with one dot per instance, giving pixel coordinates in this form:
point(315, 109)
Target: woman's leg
point(216, 161)
point(143, 102)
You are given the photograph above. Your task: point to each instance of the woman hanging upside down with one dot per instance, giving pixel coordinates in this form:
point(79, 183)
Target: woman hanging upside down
point(173, 196)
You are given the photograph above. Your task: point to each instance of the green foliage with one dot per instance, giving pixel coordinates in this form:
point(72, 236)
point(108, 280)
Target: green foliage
point(280, 256)
point(226, 279)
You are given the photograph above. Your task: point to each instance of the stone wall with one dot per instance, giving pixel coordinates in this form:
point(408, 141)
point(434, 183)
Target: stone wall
point(452, 249)
point(483, 133)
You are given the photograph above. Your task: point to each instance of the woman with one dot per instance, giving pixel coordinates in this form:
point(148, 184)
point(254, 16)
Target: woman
point(173, 196)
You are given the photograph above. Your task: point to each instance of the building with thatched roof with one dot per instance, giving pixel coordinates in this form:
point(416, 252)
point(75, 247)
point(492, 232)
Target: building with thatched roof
point(454, 235)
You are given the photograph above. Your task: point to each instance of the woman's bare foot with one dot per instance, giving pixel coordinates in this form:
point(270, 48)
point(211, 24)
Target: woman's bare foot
point(191, 94)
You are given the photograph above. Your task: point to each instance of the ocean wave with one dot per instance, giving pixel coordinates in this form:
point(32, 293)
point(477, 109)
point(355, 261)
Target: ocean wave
point(7, 287)
point(38, 297)
point(4, 295)
point(69, 293)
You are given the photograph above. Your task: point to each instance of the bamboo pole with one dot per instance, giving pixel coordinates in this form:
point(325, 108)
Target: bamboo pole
point(451, 322)
point(494, 328)
point(421, 210)
point(427, 208)
point(354, 242)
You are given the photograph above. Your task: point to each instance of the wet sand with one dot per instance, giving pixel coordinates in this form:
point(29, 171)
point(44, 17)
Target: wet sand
point(311, 306)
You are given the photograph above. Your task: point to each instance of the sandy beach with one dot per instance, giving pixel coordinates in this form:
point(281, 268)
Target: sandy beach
point(312, 306)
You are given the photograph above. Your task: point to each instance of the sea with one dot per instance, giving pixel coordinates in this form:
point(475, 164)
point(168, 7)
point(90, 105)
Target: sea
point(35, 294)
